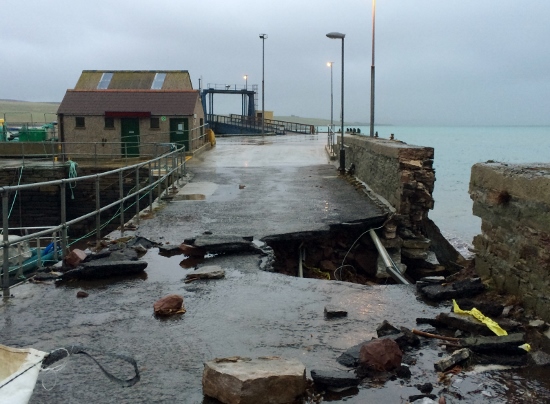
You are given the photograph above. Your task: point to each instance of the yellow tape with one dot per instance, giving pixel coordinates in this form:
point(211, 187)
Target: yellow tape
point(491, 324)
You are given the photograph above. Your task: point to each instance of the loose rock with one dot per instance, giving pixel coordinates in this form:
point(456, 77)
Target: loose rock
point(81, 294)
point(334, 378)
point(332, 311)
point(240, 380)
point(380, 355)
point(168, 305)
point(207, 272)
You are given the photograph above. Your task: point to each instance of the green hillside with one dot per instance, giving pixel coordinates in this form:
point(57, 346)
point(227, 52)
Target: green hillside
point(22, 111)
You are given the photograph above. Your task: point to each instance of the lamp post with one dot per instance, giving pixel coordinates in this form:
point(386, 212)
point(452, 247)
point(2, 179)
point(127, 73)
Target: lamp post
point(263, 37)
point(372, 73)
point(331, 97)
point(245, 77)
point(338, 35)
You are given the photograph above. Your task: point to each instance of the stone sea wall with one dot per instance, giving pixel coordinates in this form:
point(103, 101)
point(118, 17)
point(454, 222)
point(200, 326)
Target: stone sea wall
point(513, 250)
point(402, 174)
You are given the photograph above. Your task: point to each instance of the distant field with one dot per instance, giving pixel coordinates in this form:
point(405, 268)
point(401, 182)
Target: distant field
point(22, 111)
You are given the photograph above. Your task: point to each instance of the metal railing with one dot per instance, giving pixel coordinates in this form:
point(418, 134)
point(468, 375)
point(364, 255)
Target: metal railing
point(254, 124)
point(331, 140)
point(162, 171)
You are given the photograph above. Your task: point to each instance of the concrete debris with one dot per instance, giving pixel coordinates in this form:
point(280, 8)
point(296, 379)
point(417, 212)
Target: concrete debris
point(332, 311)
point(225, 244)
point(192, 251)
point(385, 328)
point(238, 380)
point(456, 358)
point(104, 268)
point(169, 250)
point(169, 305)
point(507, 344)
point(465, 323)
point(141, 241)
point(455, 290)
point(207, 272)
point(47, 276)
point(380, 355)
point(334, 378)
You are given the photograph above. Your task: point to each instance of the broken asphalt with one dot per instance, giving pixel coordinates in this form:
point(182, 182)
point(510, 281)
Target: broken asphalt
point(246, 186)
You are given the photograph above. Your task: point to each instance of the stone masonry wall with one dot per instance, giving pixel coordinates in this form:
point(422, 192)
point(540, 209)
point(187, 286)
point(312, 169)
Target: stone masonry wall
point(513, 250)
point(402, 174)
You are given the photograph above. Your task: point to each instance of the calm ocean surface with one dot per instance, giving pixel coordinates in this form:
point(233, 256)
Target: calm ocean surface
point(456, 149)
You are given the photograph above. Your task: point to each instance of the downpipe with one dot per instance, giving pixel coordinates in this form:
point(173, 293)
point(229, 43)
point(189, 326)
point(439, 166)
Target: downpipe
point(391, 268)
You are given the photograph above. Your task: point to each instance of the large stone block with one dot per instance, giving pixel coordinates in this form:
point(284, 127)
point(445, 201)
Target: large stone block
point(270, 380)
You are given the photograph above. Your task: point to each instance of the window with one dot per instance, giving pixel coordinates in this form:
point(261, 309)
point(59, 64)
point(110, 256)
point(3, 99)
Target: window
point(80, 122)
point(109, 123)
point(105, 81)
point(158, 81)
point(155, 124)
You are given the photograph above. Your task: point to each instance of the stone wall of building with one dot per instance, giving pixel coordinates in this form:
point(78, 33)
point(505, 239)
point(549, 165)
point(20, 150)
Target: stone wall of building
point(513, 250)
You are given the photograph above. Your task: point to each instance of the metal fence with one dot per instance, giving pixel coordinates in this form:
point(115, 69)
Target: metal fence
point(254, 124)
point(162, 171)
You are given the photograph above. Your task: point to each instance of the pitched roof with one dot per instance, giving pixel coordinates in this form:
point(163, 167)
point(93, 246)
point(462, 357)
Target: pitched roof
point(134, 80)
point(156, 102)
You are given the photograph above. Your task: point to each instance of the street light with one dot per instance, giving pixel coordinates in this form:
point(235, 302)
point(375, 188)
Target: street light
point(245, 77)
point(372, 73)
point(263, 37)
point(331, 97)
point(338, 35)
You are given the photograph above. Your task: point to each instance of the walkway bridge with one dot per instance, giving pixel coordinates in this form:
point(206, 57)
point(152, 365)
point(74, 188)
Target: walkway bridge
point(248, 122)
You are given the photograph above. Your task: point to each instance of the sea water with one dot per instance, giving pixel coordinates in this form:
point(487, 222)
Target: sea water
point(456, 150)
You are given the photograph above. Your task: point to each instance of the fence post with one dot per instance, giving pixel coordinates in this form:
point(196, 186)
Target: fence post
point(63, 193)
point(121, 197)
point(151, 190)
point(137, 195)
point(6, 263)
point(98, 212)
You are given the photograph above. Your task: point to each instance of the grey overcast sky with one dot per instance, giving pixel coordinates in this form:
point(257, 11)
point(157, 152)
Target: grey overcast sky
point(438, 62)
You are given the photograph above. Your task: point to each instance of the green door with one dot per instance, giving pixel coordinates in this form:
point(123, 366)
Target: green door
point(179, 132)
point(129, 137)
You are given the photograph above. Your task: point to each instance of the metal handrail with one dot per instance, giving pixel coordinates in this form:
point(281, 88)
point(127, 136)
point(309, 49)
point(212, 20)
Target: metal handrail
point(173, 164)
point(255, 123)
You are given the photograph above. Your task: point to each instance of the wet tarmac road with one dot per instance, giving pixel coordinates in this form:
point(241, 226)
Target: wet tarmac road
point(249, 313)
point(257, 187)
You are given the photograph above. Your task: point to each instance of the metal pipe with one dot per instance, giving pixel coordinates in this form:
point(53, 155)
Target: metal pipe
point(390, 266)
